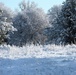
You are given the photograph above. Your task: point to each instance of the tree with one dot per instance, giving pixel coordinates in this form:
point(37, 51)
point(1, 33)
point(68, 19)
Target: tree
point(68, 22)
point(53, 12)
point(30, 23)
point(51, 31)
point(65, 24)
point(5, 23)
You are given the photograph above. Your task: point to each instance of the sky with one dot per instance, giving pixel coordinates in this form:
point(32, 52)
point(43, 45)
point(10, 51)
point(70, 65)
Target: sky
point(44, 4)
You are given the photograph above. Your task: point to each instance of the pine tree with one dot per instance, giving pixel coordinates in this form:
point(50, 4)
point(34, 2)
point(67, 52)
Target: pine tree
point(5, 23)
point(64, 27)
point(68, 21)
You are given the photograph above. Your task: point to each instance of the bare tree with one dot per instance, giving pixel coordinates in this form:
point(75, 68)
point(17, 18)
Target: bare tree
point(30, 23)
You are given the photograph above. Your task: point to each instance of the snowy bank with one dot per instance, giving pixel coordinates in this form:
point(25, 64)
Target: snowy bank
point(31, 51)
point(38, 60)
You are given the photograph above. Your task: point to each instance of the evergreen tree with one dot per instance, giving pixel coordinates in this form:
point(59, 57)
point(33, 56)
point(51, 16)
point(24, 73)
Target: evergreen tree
point(63, 29)
point(5, 24)
point(68, 21)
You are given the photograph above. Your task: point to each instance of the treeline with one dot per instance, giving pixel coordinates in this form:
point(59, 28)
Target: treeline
point(31, 24)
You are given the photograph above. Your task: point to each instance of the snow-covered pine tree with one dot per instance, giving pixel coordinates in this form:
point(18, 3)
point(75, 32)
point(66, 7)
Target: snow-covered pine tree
point(63, 29)
point(67, 20)
point(5, 23)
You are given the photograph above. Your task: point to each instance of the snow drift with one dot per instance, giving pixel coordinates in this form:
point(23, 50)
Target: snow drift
point(38, 60)
point(39, 51)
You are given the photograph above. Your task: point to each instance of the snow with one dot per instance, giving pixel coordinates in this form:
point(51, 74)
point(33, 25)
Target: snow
point(38, 60)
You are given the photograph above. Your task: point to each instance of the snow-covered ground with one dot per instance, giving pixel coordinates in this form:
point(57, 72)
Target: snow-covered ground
point(38, 60)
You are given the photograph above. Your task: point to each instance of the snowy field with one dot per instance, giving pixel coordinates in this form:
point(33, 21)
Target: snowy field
point(38, 60)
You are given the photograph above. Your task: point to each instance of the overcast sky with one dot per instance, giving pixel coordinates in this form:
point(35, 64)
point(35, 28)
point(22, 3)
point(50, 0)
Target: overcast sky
point(45, 4)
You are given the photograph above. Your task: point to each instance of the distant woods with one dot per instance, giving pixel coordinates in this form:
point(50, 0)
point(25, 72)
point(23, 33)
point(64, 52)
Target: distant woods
point(31, 25)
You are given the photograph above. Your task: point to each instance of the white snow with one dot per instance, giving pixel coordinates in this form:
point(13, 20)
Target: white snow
point(38, 60)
